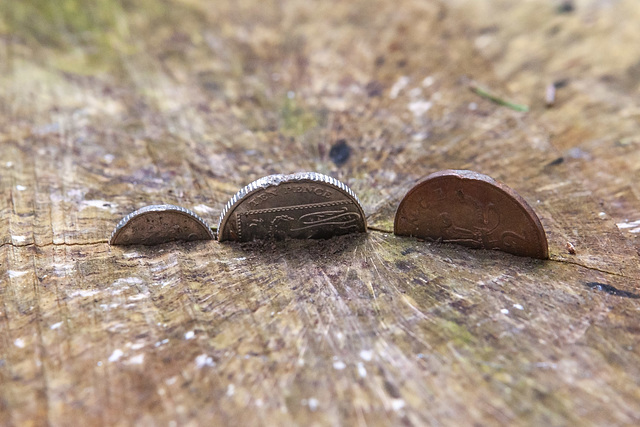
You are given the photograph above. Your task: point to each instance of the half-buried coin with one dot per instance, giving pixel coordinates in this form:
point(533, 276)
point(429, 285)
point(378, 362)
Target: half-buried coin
point(157, 224)
point(471, 209)
point(304, 205)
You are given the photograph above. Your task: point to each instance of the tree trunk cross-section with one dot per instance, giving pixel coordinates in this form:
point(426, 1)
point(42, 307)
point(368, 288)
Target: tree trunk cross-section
point(108, 108)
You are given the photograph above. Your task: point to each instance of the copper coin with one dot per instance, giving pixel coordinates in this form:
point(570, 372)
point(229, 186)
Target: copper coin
point(157, 224)
point(471, 209)
point(304, 205)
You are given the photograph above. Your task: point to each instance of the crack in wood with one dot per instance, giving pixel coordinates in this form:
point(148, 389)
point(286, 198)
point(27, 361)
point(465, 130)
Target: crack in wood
point(373, 229)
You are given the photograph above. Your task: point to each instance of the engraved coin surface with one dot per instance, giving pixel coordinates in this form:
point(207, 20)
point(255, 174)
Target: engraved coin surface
point(304, 205)
point(157, 224)
point(471, 209)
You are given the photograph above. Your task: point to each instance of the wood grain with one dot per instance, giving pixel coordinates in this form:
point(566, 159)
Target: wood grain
point(109, 108)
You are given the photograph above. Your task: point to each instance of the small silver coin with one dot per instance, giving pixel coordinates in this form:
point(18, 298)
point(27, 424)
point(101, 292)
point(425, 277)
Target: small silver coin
point(156, 224)
point(305, 205)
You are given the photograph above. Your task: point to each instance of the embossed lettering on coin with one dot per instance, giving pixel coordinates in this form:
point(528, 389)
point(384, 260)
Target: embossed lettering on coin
point(157, 224)
point(471, 209)
point(304, 205)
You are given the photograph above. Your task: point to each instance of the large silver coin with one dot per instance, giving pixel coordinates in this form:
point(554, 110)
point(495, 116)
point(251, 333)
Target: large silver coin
point(157, 224)
point(304, 205)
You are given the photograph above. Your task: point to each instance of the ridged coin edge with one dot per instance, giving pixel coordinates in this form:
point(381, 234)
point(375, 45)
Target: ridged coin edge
point(277, 179)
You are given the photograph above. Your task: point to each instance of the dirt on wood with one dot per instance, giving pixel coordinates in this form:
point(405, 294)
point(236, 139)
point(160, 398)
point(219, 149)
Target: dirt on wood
point(108, 108)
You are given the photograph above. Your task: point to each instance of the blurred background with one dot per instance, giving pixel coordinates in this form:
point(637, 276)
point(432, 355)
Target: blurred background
point(256, 87)
point(110, 105)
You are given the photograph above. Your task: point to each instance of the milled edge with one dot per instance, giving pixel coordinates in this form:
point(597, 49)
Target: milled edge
point(158, 208)
point(275, 180)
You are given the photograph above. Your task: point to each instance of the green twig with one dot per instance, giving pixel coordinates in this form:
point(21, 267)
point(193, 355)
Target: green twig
point(494, 98)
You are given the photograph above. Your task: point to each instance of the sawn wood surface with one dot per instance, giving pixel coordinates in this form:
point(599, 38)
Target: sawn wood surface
point(110, 106)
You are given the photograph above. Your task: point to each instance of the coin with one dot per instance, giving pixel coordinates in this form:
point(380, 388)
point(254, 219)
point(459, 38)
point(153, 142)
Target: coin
point(471, 209)
point(157, 224)
point(304, 205)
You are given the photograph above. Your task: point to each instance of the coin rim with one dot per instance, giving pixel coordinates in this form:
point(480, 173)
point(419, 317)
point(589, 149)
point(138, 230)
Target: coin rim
point(158, 208)
point(469, 175)
point(277, 179)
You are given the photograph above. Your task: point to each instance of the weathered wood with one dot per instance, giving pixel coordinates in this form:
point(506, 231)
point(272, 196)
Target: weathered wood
point(108, 108)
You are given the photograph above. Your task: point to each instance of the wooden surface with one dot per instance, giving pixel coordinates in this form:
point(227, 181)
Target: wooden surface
point(108, 108)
